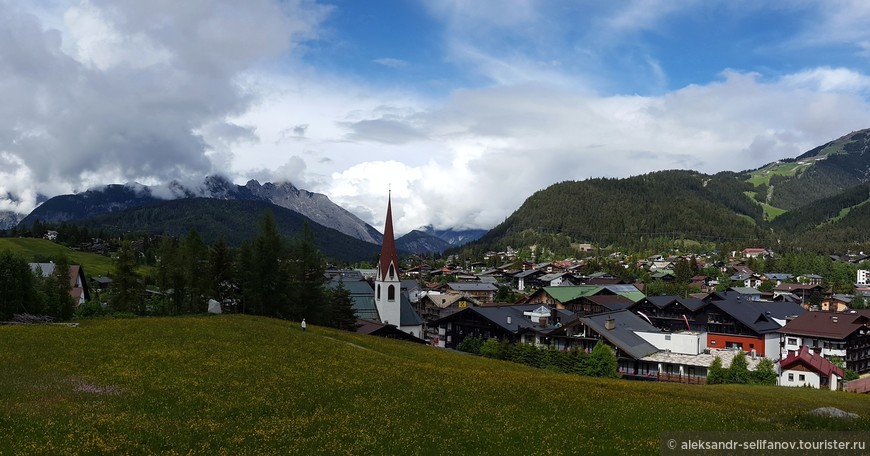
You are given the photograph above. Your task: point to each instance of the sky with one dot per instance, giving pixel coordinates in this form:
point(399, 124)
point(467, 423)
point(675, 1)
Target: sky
point(459, 109)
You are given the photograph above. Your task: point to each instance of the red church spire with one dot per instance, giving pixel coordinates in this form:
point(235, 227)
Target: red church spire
point(388, 250)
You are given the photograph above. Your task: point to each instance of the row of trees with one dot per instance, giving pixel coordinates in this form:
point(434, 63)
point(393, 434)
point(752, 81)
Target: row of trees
point(25, 291)
point(601, 362)
point(738, 372)
point(268, 276)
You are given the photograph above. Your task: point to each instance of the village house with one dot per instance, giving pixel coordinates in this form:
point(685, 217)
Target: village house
point(673, 313)
point(587, 299)
point(78, 285)
point(481, 292)
point(501, 322)
point(805, 368)
point(801, 291)
point(845, 335)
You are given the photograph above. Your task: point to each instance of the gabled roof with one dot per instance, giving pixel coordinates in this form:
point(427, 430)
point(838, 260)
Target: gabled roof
point(612, 302)
point(498, 315)
point(778, 276)
point(407, 315)
point(746, 291)
point(818, 364)
point(789, 287)
point(551, 277)
point(527, 273)
point(622, 335)
point(752, 314)
point(661, 302)
point(828, 325)
point(628, 291)
point(471, 286)
point(567, 294)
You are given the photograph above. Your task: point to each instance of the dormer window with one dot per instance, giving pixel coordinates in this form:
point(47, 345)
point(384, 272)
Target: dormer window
point(392, 271)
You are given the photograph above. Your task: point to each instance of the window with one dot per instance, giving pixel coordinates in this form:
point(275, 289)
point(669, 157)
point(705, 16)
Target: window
point(392, 271)
point(792, 341)
point(713, 343)
point(391, 293)
point(379, 292)
point(667, 337)
point(801, 377)
point(791, 377)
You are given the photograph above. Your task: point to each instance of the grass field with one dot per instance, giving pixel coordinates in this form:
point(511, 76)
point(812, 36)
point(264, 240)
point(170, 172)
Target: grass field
point(248, 385)
point(29, 248)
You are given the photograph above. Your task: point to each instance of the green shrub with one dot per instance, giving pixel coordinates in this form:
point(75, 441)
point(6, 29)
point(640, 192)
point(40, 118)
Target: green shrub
point(490, 348)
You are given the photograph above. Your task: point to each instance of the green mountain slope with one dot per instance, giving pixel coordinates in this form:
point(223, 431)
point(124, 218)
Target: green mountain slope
point(673, 204)
point(824, 171)
point(40, 249)
point(237, 384)
point(830, 210)
point(235, 220)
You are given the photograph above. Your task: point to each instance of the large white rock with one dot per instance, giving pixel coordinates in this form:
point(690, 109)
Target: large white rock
point(214, 307)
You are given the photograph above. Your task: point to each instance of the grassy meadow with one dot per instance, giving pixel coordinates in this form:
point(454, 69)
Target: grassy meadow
point(31, 248)
point(237, 384)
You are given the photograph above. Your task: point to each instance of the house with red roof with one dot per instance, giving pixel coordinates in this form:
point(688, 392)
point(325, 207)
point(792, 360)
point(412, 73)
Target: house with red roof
point(845, 335)
point(805, 368)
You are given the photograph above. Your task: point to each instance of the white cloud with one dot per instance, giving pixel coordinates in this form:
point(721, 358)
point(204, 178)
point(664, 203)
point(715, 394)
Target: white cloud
point(391, 62)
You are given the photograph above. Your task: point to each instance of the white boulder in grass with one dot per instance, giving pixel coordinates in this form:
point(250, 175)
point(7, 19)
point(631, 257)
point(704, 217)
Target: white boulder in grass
point(214, 307)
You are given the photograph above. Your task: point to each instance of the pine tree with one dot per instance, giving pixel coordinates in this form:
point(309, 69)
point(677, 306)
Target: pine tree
point(125, 281)
point(307, 281)
point(341, 308)
point(17, 286)
point(59, 302)
point(194, 257)
point(220, 272)
point(716, 373)
point(738, 371)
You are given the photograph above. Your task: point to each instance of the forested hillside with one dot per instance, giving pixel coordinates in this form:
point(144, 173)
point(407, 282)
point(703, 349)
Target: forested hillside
point(626, 212)
point(235, 221)
point(822, 172)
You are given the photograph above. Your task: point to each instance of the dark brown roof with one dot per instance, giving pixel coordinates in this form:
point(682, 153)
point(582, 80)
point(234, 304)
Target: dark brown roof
point(828, 325)
point(817, 363)
point(795, 286)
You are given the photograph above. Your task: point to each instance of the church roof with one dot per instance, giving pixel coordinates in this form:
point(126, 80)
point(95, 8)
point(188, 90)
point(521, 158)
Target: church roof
point(388, 249)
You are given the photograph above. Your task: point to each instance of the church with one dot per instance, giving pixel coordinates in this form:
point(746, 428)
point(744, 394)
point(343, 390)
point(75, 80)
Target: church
point(394, 306)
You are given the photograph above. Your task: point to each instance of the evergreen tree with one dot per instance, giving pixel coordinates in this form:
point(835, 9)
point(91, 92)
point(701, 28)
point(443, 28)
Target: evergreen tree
point(716, 373)
point(307, 281)
point(341, 308)
point(220, 272)
point(194, 257)
point(738, 371)
point(17, 286)
point(264, 271)
point(170, 276)
point(764, 373)
point(59, 302)
point(125, 281)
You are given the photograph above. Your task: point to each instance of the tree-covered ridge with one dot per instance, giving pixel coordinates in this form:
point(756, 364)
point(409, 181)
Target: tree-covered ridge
point(822, 211)
point(235, 221)
point(674, 204)
point(829, 170)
